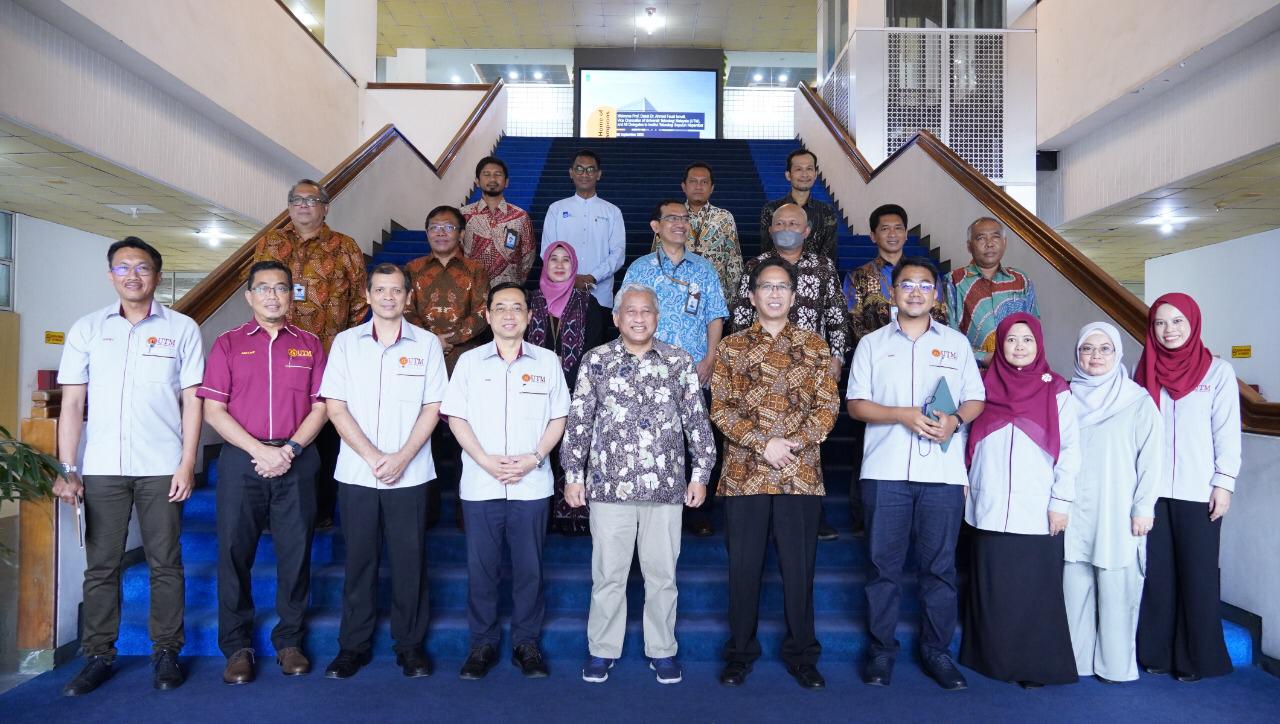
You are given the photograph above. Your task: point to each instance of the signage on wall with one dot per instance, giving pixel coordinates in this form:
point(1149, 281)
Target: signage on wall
point(1241, 351)
point(55, 337)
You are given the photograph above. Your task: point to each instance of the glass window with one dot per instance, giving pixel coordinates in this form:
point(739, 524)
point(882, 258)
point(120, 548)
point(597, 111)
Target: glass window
point(6, 261)
point(913, 13)
point(957, 13)
point(975, 13)
point(6, 285)
point(184, 281)
point(6, 235)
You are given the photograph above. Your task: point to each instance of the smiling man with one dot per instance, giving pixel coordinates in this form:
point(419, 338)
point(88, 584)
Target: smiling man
point(869, 288)
point(984, 292)
point(592, 226)
point(802, 174)
point(713, 234)
point(498, 233)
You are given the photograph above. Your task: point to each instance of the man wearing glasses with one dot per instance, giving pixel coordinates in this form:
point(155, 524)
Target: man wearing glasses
point(139, 364)
point(912, 490)
point(984, 292)
point(802, 174)
point(592, 226)
point(713, 233)
point(327, 297)
point(261, 393)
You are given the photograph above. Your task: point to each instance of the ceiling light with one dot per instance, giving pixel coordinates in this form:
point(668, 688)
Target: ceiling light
point(1166, 228)
point(513, 74)
point(305, 17)
point(456, 78)
point(651, 20)
point(213, 237)
point(782, 78)
point(757, 77)
point(537, 75)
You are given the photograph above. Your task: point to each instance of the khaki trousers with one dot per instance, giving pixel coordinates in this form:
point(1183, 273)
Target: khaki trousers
point(615, 530)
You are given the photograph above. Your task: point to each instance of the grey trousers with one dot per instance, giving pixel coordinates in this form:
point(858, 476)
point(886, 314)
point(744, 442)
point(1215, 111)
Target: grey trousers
point(615, 530)
point(108, 504)
point(1102, 613)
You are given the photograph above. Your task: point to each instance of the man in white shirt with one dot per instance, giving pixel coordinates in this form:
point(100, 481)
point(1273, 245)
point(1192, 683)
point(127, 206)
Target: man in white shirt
point(913, 490)
point(383, 469)
point(139, 363)
point(507, 402)
point(592, 226)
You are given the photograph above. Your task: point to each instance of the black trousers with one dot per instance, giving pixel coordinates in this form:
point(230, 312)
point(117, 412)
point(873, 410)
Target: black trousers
point(327, 443)
point(520, 526)
point(693, 516)
point(794, 521)
point(1179, 624)
point(447, 455)
point(370, 517)
point(245, 504)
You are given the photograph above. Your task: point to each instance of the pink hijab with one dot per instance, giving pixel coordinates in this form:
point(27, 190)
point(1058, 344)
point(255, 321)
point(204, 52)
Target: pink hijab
point(557, 293)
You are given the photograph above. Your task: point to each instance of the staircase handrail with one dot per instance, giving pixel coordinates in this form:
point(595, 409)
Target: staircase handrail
point(1257, 415)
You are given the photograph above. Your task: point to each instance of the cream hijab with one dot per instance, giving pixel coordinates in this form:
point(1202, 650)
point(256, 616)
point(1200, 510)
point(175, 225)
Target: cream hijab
point(1101, 396)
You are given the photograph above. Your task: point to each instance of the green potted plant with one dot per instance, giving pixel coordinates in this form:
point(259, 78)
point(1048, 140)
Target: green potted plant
point(25, 473)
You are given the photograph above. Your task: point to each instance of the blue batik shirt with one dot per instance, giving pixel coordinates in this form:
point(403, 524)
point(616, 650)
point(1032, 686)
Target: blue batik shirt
point(689, 298)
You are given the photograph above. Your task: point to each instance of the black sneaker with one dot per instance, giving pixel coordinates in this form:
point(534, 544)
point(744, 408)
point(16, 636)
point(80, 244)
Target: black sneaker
point(97, 669)
point(529, 658)
point(944, 671)
point(826, 532)
point(168, 675)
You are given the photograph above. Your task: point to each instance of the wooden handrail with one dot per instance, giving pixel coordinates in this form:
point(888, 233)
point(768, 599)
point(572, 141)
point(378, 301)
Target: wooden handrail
point(429, 86)
point(216, 288)
point(1257, 415)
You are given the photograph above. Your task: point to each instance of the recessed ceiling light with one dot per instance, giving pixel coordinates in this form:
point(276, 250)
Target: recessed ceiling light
point(757, 77)
point(782, 78)
point(651, 20)
point(456, 78)
point(1166, 228)
point(537, 75)
point(213, 237)
point(513, 74)
point(304, 16)
point(134, 209)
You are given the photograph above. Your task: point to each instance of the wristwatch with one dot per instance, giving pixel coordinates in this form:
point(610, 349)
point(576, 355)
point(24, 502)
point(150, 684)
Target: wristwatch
point(297, 449)
point(541, 460)
point(959, 420)
point(69, 469)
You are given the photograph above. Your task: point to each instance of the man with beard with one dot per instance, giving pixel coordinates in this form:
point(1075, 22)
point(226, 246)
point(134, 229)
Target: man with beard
point(802, 174)
point(498, 234)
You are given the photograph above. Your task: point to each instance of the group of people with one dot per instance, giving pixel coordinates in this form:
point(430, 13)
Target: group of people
point(1097, 554)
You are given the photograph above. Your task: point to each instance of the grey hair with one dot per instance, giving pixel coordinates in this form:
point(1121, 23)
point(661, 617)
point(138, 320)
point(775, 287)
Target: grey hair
point(979, 220)
point(634, 287)
point(320, 192)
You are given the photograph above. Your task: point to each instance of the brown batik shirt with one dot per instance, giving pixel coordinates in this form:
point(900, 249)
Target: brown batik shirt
point(449, 298)
point(764, 387)
point(328, 278)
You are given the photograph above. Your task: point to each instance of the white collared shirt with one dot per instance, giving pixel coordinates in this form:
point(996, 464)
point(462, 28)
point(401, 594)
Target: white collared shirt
point(594, 228)
point(135, 375)
point(508, 406)
point(890, 369)
point(385, 389)
point(1013, 483)
point(1202, 437)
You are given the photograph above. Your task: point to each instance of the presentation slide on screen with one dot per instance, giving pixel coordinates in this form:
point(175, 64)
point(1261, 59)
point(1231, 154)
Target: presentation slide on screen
point(648, 104)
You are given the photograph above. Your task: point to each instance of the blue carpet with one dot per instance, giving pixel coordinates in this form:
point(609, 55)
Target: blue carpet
point(380, 693)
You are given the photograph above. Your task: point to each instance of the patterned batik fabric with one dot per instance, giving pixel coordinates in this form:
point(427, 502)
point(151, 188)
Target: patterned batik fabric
point(822, 226)
point(819, 304)
point(485, 240)
point(868, 292)
point(713, 235)
point(689, 298)
point(764, 387)
point(329, 270)
point(449, 299)
point(980, 303)
point(570, 336)
point(629, 424)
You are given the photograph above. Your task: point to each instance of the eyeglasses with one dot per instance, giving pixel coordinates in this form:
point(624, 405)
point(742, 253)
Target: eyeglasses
point(447, 228)
point(307, 201)
point(264, 290)
point(910, 287)
point(1088, 350)
point(142, 270)
point(585, 170)
point(673, 218)
point(769, 287)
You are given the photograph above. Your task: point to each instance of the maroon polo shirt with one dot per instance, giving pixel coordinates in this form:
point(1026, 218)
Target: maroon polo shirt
point(268, 385)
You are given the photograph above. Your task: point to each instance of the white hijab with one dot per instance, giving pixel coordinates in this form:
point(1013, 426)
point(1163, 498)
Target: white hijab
point(1101, 396)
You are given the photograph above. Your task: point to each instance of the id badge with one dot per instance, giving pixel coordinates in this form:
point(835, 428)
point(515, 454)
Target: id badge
point(300, 292)
point(512, 238)
point(692, 303)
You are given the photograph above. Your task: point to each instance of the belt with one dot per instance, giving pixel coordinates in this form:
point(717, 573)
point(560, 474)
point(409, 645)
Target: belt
point(279, 442)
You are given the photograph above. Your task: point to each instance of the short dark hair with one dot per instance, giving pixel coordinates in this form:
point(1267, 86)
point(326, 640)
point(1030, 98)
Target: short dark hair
point(320, 192)
point(386, 267)
point(887, 210)
point(774, 261)
point(801, 152)
point(268, 265)
point(920, 263)
point(657, 208)
point(494, 160)
point(447, 209)
point(588, 153)
point(700, 164)
point(133, 242)
point(493, 290)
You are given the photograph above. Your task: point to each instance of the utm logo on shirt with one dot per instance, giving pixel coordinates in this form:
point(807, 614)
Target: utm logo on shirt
point(299, 353)
point(945, 355)
point(1202, 388)
point(533, 378)
point(411, 362)
point(165, 342)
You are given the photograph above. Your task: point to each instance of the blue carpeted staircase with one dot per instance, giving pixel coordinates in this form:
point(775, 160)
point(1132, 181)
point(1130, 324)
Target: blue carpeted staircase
point(637, 173)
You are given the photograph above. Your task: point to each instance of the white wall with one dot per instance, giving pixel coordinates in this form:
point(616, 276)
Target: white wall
point(1242, 275)
point(1251, 539)
point(428, 118)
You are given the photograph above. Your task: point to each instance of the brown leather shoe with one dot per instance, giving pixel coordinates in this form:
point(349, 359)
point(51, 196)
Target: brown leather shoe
point(239, 667)
point(292, 661)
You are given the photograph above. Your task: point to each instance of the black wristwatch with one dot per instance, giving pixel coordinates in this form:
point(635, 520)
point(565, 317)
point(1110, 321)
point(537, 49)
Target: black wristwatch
point(297, 449)
point(959, 420)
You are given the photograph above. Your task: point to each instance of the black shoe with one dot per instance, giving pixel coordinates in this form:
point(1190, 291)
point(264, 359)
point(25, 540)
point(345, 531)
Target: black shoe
point(96, 670)
point(1156, 670)
point(324, 524)
point(734, 673)
point(1188, 678)
point(414, 663)
point(944, 671)
point(1030, 685)
point(529, 659)
point(826, 532)
point(168, 673)
point(878, 670)
point(807, 676)
point(859, 531)
point(1104, 680)
point(702, 529)
point(478, 663)
point(346, 664)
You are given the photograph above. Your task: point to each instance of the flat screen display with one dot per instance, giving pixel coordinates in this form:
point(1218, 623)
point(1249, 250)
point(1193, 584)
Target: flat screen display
point(647, 103)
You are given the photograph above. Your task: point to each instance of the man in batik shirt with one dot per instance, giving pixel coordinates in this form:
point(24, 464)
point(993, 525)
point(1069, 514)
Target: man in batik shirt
point(713, 234)
point(498, 234)
point(985, 291)
point(868, 289)
point(802, 174)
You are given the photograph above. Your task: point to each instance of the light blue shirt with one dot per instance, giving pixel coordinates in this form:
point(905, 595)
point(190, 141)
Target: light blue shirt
point(594, 228)
point(689, 298)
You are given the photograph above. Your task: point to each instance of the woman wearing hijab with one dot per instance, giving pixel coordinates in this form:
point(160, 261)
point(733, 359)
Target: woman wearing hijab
point(1179, 630)
point(569, 322)
point(1122, 453)
point(1023, 457)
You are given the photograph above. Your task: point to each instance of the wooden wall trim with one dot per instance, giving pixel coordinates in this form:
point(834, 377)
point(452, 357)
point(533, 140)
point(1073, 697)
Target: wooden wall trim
point(460, 138)
point(1257, 415)
point(429, 86)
